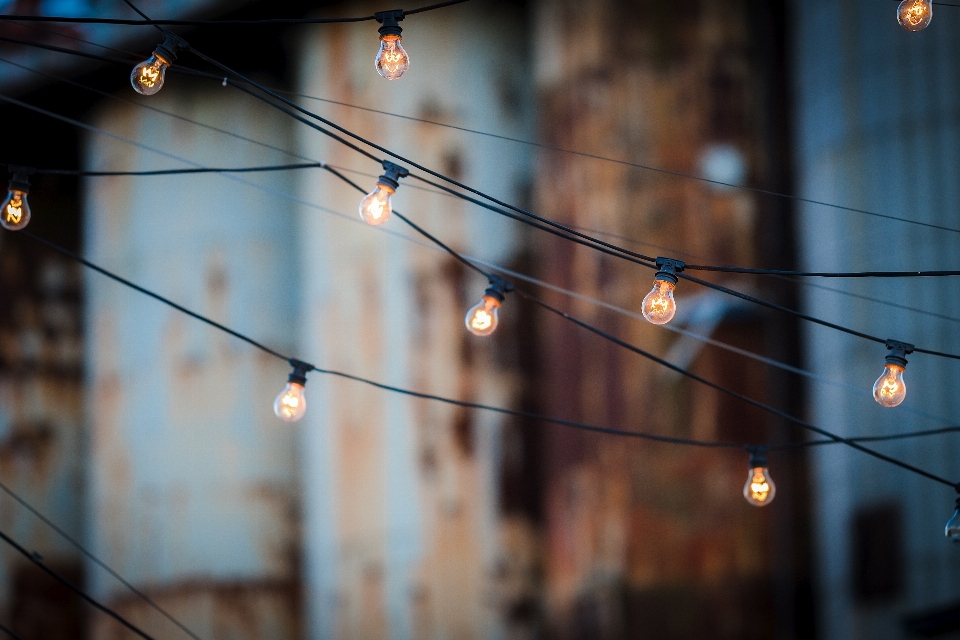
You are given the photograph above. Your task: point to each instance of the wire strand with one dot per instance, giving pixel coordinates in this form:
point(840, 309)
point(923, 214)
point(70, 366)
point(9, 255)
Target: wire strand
point(169, 172)
point(33, 557)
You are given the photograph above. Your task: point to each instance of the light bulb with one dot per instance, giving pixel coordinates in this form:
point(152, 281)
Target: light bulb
point(392, 59)
point(759, 489)
point(147, 77)
point(15, 213)
point(291, 404)
point(482, 318)
point(889, 390)
point(376, 207)
point(915, 15)
point(659, 307)
point(952, 530)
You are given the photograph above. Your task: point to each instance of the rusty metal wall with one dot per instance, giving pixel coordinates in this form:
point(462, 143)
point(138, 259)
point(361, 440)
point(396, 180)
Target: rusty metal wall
point(192, 481)
point(400, 496)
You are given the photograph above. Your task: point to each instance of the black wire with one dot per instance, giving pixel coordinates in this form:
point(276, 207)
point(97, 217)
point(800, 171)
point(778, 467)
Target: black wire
point(167, 172)
point(50, 47)
point(622, 343)
point(734, 394)
point(33, 557)
point(10, 633)
point(823, 274)
point(103, 565)
point(155, 296)
point(212, 23)
point(142, 14)
point(897, 436)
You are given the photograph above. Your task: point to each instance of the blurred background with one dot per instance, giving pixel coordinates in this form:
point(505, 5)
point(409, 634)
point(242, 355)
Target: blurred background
point(149, 438)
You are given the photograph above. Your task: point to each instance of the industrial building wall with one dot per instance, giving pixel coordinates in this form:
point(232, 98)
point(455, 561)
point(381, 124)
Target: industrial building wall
point(877, 128)
point(401, 504)
point(192, 481)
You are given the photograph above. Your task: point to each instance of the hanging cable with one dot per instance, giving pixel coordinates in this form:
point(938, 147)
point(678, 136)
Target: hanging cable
point(170, 172)
point(36, 559)
point(212, 23)
point(10, 633)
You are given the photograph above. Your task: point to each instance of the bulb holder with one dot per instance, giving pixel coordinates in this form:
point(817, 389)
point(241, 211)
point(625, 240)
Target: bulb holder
point(299, 374)
point(898, 352)
point(389, 22)
point(758, 457)
point(498, 289)
point(20, 179)
point(668, 268)
point(392, 175)
point(171, 44)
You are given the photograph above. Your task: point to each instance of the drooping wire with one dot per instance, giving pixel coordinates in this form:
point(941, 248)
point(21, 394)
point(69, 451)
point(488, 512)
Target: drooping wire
point(10, 633)
point(103, 565)
point(35, 559)
point(210, 23)
point(169, 172)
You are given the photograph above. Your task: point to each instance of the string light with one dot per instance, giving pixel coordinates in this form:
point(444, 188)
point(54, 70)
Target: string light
point(889, 390)
point(482, 318)
point(15, 211)
point(392, 60)
point(376, 207)
point(952, 530)
point(915, 15)
point(291, 404)
point(147, 77)
point(659, 306)
point(759, 489)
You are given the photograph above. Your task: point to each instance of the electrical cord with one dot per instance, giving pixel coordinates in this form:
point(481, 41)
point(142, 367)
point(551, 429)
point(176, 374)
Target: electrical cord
point(211, 23)
point(10, 633)
point(35, 559)
point(168, 172)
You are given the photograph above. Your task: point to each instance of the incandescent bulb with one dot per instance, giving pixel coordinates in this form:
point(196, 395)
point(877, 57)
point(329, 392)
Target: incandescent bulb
point(759, 489)
point(15, 212)
point(290, 405)
point(889, 390)
point(952, 529)
point(659, 306)
point(147, 77)
point(376, 207)
point(915, 15)
point(482, 318)
point(392, 60)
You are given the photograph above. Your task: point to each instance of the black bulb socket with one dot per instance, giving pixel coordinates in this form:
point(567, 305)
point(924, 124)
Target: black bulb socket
point(758, 457)
point(389, 22)
point(668, 268)
point(168, 49)
point(19, 180)
point(392, 174)
point(898, 352)
point(498, 289)
point(299, 374)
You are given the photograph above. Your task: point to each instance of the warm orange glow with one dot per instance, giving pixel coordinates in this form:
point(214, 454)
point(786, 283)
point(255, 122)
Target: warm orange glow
point(290, 405)
point(15, 211)
point(759, 489)
point(482, 318)
point(147, 77)
point(659, 307)
point(889, 390)
point(914, 15)
point(376, 207)
point(392, 60)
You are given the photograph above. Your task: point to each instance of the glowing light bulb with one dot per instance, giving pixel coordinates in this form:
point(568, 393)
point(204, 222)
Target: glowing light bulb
point(482, 318)
point(952, 530)
point(759, 489)
point(392, 58)
point(291, 404)
point(392, 61)
point(375, 208)
point(147, 77)
point(659, 306)
point(15, 210)
point(889, 390)
point(915, 15)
